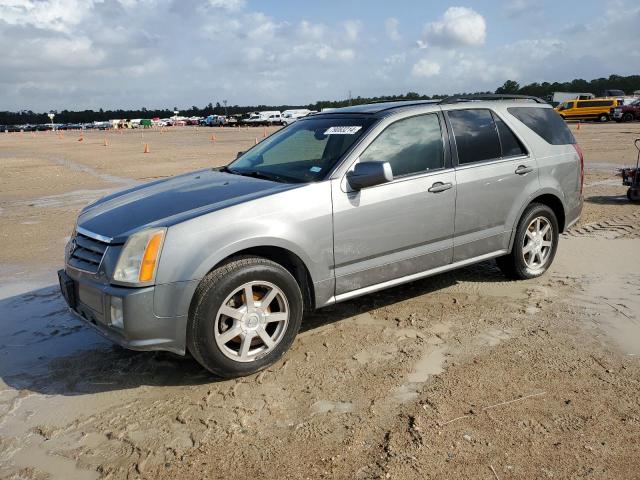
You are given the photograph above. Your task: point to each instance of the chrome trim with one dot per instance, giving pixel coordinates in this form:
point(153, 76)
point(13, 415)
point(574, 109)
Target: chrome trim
point(95, 236)
point(493, 161)
point(88, 272)
point(410, 278)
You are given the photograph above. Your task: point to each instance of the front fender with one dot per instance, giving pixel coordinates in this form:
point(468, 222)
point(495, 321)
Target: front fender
point(298, 220)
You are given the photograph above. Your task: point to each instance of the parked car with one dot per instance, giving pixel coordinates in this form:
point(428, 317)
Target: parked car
point(556, 98)
point(290, 116)
point(264, 118)
point(596, 109)
point(224, 262)
point(214, 121)
point(627, 113)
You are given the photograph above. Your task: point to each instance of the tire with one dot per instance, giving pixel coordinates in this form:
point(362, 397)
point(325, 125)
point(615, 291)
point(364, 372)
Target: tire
point(627, 117)
point(521, 264)
point(603, 118)
point(234, 356)
point(633, 194)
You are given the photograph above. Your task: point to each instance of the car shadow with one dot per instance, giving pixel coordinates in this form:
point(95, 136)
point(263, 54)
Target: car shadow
point(45, 349)
point(607, 199)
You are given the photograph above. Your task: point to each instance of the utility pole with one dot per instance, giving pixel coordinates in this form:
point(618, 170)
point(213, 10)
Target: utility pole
point(350, 98)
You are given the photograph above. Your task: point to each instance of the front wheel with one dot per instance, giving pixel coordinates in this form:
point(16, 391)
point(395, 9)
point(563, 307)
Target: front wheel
point(603, 118)
point(535, 244)
point(244, 316)
point(627, 117)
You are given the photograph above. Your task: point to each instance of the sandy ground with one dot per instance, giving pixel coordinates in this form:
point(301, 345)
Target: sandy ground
point(463, 375)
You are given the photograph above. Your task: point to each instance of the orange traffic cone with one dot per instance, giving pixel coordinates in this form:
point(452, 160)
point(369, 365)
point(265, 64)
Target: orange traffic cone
point(81, 139)
point(106, 144)
point(578, 124)
point(146, 148)
point(256, 140)
point(264, 133)
point(213, 138)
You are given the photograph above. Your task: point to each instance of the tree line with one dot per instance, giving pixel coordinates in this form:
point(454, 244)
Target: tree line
point(596, 86)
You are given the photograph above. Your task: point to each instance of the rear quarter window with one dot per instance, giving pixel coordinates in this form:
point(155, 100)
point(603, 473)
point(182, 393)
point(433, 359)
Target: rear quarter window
point(546, 123)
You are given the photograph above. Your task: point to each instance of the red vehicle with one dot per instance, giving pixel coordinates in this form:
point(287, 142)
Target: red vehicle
point(627, 113)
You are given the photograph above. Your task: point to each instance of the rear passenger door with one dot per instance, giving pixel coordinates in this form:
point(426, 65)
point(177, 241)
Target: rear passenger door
point(494, 173)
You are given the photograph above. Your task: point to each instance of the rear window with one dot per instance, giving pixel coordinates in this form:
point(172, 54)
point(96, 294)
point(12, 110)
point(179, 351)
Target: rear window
point(546, 123)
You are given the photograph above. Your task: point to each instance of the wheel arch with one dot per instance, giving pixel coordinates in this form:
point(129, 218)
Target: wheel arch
point(285, 258)
point(551, 200)
point(554, 203)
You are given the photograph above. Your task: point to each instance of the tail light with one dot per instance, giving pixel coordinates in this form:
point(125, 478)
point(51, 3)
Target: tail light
point(581, 155)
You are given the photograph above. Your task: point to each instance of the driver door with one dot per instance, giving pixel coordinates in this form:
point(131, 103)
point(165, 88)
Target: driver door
point(391, 231)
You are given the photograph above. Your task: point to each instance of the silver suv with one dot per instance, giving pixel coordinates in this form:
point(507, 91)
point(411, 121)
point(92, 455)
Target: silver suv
point(224, 262)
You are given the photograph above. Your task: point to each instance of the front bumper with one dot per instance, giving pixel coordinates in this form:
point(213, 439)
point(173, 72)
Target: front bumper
point(138, 329)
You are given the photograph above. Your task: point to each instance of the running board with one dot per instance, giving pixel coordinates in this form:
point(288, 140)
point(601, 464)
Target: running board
point(410, 278)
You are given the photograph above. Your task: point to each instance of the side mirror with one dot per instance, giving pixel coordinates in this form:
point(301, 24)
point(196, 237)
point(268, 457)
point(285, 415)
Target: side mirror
point(369, 174)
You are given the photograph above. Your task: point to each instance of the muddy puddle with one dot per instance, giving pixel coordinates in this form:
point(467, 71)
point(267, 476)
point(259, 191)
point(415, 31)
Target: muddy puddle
point(610, 287)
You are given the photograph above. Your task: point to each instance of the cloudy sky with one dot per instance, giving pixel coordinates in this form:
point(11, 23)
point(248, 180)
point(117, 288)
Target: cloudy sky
point(78, 54)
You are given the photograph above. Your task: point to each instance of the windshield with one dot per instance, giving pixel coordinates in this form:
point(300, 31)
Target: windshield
point(303, 152)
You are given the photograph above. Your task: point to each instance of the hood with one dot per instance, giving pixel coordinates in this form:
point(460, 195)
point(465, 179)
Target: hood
point(167, 202)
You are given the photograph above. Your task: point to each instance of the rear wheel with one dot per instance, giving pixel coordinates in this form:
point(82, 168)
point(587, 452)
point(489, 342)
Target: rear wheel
point(633, 194)
point(627, 117)
point(535, 244)
point(245, 315)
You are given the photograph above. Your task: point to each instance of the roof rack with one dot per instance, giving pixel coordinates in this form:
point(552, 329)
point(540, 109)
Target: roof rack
point(498, 96)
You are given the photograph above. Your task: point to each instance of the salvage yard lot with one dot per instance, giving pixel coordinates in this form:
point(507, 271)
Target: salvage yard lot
point(463, 375)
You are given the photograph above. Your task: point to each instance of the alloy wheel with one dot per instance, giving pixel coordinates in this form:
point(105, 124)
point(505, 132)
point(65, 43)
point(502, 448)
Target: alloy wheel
point(251, 321)
point(538, 243)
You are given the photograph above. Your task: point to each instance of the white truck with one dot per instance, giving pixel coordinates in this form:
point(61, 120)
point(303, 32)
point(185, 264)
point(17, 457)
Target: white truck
point(273, 117)
point(560, 97)
point(290, 116)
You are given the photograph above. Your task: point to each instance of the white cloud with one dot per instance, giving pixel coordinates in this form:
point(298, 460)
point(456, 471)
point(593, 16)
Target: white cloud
point(312, 31)
point(396, 59)
point(459, 26)
point(425, 68)
point(56, 15)
point(516, 8)
point(391, 27)
point(79, 54)
point(352, 29)
point(229, 5)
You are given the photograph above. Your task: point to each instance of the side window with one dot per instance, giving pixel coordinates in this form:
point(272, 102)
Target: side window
point(511, 146)
point(411, 145)
point(476, 135)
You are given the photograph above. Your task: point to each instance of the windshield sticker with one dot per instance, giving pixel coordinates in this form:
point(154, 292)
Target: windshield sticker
point(342, 130)
point(315, 169)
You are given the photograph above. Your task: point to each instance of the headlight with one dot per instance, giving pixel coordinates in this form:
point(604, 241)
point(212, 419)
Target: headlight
point(138, 260)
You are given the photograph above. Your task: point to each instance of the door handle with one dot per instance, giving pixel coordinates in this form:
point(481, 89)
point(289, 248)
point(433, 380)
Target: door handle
point(440, 187)
point(523, 170)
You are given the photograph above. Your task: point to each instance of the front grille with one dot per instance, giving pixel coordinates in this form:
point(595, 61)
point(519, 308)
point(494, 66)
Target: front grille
point(86, 253)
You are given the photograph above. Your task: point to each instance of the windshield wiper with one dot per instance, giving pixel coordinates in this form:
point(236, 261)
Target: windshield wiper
point(256, 174)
